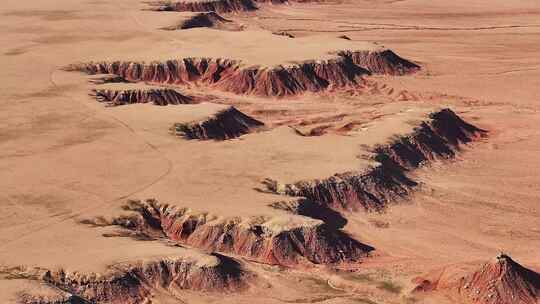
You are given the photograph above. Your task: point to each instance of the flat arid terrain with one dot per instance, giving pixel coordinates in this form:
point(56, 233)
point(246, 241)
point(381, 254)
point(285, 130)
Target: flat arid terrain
point(270, 151)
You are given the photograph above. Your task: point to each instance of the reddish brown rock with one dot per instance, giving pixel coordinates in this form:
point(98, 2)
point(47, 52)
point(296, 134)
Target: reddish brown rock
point(219, 6)
point(206, 19)
point(500, 281)
point(161, 97)
point(231, 76)
point(225, 124)
point(346, 70)
point(373, 189)
point(134, 282)
point(382, 62)
point(52, 296)
point(286, 240)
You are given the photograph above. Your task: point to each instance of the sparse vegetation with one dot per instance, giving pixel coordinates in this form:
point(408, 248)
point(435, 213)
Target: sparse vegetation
point(363, 301)
point(320, 285)
point(359, 277)
point(389, 286)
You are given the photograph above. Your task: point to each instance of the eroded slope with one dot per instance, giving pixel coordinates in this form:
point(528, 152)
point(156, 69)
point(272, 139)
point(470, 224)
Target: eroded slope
point(298, 66)
point(499, 281)
point(283, 240)
point(158, 96)
point(225, 124)
point(439, 137)
point(134, 281)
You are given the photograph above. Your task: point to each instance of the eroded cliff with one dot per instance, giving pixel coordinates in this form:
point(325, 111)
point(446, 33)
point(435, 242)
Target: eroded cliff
point(283, 240)
point(161, 97)
point(346, 70)
point(373, 189)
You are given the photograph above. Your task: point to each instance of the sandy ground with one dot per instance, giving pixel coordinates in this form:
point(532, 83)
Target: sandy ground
point(66, 157)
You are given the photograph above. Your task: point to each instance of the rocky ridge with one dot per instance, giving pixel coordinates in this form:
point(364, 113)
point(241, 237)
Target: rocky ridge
point(226, 124)
point(286, 240)
point(373, 189)
point(135, 282)
point(499, 281)
point(346, 70)
point(160, 97)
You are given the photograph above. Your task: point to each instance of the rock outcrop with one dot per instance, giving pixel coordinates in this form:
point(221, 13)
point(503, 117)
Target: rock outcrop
point(370, 190)
point(287, 240)
point(500, 281)
point(382, 62)
point(346, 70)
point(206, 19)
point(135, 282)
point(310, 209)
point(439, 138)
point(374, 188)
point(161, 97)
point(284, 33)
point(225, 124)
point(52, 296)
point(218, 6)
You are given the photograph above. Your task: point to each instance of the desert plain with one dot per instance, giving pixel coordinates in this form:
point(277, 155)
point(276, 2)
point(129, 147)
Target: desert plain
point(239, 151)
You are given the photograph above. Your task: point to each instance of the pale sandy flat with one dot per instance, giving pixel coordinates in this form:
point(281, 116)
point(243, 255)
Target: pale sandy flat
point(67, 157)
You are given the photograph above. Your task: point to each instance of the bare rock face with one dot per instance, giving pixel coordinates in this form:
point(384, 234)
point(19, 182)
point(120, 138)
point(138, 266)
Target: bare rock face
point(232, 76)
point(161, 97)
point(500, 281)
point(219, 6)
point(207, 19)
point(226, 124)
point(52, 296)
point(310, 209)
point(287, 240)
point(371, 190)
point(382, 62)
point(374, 188)
point(134, 282)
point(439, 138)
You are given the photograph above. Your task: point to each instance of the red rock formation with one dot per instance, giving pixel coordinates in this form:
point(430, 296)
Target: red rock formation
point(228, 75)
point(206, 19)
point(161, 97)
point(382, 62)
point(439, 138)
point(310, 209)
point(286, 240)
point(61, 297)
point(132, 283)
point(231, 76)
point(219, 6)
point(272, 1)
point(226, 124)
point(371, 190)
point(500, 281)
point(374, 188)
